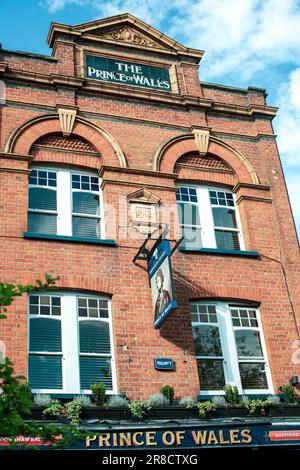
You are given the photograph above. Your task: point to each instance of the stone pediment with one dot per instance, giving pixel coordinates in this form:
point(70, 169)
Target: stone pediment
point(128, 35)
point(121, 29)
point(143, 196)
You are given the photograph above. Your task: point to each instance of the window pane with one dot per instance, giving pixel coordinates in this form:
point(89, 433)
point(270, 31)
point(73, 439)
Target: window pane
point(86, 227)
point(94, 337)
point(191, 237)
point(42, 198)
point(45, 371)
point(211, 374)
point(207, 340)
point(224, 217)
point(253, 375)
point(85, 203)
point(45, 335)
point(227, 240)
point(248, 343)
point(188, 214)
point(94, 370)
point(41, 223)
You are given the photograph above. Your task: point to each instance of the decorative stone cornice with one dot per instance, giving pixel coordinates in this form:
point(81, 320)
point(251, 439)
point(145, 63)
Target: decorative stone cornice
point(67, 118)
point(201, 138)
point(128, 35)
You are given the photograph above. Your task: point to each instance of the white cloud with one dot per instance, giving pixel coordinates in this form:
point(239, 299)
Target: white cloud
point(288, 121)
point(54, 6)
point(292, 180)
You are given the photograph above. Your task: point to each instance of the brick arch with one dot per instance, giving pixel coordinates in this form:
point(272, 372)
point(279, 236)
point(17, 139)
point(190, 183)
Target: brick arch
point(167, 155)
point(22, 139)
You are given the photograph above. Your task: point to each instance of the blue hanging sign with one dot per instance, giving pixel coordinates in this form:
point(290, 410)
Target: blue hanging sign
point(161, 281)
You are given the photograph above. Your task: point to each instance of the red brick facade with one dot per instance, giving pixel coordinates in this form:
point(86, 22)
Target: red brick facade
point(137, 139)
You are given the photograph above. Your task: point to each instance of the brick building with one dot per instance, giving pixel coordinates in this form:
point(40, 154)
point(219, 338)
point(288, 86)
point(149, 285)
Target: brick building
point(110, 137)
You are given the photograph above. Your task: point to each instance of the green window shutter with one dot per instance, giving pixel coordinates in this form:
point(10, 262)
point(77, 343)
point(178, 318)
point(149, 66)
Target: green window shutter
point(227, 240)
point(42, 198)
point(42, 223)
point(224, 217)
point(45, 372)
point(85, 203)
point(94, 337)
point(188, 214)
point(45, 335)
point(85, 227)
point(95, 369)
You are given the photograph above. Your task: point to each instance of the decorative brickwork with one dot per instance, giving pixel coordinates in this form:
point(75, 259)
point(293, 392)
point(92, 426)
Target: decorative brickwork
point(197, 161)
point(74, 143)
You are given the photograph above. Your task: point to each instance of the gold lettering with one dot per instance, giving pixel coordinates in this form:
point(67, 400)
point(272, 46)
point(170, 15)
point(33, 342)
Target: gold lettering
point(115, 439)
point(179, 437)
point(233, 436)
point(151, 438)
point(89, 439)
point(222, 440)
point(134, 439)
point(104, 440)
point(125, 439)
point(212, 437)
point(246, 434)
point(199, 437)
point(168, 438)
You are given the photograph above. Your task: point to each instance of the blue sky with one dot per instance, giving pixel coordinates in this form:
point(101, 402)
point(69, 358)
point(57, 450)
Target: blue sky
point(246, 42)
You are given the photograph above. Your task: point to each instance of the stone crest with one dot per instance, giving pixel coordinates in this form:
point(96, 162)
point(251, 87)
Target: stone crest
point(129, 35)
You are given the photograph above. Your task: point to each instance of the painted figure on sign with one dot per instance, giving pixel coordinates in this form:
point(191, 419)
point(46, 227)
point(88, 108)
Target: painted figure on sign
point(163, 296)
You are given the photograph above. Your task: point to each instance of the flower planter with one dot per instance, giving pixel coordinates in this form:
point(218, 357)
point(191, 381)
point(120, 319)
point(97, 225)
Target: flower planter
point(99, 412)
point(168, 412)
point(171, 412)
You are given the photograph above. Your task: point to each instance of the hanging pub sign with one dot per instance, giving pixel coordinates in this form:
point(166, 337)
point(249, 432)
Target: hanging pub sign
point(161, 282)
point(130, 73)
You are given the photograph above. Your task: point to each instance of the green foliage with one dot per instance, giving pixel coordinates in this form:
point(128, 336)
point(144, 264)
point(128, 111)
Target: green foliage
point(257, 404)
point(168, 391)
point(158, 399)
point(54, 409)
point(99, 393)
point(15, 400)
point(8, 292)
point(288, 393)
point(73, 410)
point(42, 399)
point(139, 408)
point(188, 402)
point(84, 400)
point(206, 407)
point(231, 394)
point(118, 402)
point(219, 401)
point(273, 400)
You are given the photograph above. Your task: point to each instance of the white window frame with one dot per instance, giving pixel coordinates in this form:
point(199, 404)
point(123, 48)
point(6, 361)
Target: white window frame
point(70, 343)
point(207, 227)
point(64, 194)
point(229, 348)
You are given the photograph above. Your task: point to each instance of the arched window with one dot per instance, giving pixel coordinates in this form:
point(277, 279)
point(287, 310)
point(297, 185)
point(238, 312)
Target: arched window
point(70, 343)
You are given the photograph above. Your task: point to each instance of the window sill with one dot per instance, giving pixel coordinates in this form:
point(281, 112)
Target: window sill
point(65, 238)
point(218, 251)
